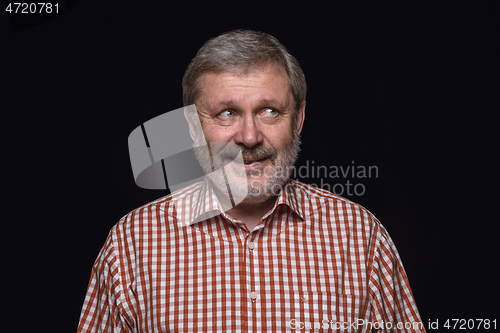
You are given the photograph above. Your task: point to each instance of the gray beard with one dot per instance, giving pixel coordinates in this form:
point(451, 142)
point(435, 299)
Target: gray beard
point(244, 186)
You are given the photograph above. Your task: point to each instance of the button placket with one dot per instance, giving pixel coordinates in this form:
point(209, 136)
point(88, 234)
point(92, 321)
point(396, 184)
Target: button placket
point(253, 269)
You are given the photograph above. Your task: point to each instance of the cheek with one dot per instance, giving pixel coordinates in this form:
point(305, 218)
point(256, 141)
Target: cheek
point(217, 134)
point(282, 135)
point(280, 140)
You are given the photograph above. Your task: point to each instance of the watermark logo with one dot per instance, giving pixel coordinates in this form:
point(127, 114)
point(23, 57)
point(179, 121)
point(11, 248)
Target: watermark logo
point(171, 152)
point(338, 179)
point(354, 326)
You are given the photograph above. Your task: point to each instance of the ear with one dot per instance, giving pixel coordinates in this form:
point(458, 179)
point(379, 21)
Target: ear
point(301, 115)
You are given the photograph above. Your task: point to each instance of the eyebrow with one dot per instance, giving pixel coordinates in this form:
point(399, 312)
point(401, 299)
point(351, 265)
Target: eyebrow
point(264, 101)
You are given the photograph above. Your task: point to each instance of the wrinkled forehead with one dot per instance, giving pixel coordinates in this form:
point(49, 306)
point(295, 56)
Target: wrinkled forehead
point(266, 87)
point(241, 72)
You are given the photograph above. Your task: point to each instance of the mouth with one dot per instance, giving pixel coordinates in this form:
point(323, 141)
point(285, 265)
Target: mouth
point(247, 161)
point(250, 162)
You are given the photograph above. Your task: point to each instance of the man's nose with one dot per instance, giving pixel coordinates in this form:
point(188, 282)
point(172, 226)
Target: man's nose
point(249, 133)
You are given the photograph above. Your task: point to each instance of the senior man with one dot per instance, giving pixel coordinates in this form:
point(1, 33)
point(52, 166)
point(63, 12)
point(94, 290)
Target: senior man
point(286, 256)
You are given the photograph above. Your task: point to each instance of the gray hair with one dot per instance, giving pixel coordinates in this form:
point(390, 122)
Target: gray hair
point(241, 51)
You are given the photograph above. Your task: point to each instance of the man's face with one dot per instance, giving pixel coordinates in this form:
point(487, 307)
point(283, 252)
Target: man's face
point(254, 113)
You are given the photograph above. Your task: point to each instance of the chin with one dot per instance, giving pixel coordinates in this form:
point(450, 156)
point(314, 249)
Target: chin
point(259, 192)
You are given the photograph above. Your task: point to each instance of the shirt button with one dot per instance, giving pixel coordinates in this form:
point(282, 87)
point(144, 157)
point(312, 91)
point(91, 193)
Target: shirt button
point(253, 295)
point(251, 245)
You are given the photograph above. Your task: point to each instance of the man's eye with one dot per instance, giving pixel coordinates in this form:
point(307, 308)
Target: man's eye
point(227, 114)
point(270, 112)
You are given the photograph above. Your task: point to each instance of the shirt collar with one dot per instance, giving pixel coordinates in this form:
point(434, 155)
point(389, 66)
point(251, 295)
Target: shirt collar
point(292, 196)
point(205, 204)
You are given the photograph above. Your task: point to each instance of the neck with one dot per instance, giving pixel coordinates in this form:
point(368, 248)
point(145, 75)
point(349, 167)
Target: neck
point(251, 212)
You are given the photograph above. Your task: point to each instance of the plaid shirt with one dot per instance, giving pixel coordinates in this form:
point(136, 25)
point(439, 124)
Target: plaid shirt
point(315, 262)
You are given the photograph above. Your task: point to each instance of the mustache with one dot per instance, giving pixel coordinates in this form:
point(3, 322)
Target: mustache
point(255, 153)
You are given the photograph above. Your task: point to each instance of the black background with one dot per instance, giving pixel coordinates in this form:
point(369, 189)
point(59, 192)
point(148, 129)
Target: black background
point(400, 86)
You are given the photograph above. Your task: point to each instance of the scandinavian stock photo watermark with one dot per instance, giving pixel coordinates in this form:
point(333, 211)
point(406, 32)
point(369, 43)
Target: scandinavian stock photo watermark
point(162, 159)
point(338, 179)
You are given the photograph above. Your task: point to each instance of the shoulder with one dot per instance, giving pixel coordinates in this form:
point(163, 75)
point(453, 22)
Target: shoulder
point(339, 210)
point(313, 193)
point(157, 215)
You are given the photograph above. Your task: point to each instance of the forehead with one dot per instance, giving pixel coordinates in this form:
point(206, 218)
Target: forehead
point(264, 83)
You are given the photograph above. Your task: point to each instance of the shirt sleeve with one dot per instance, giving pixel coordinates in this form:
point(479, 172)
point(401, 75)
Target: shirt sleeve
point(392, 301)
point(102, 309)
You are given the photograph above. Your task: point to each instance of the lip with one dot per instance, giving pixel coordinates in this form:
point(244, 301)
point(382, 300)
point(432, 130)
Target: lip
point(253, 165)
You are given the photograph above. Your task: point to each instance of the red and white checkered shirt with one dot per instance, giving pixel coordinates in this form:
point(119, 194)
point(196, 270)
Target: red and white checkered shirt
point(316, 262)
